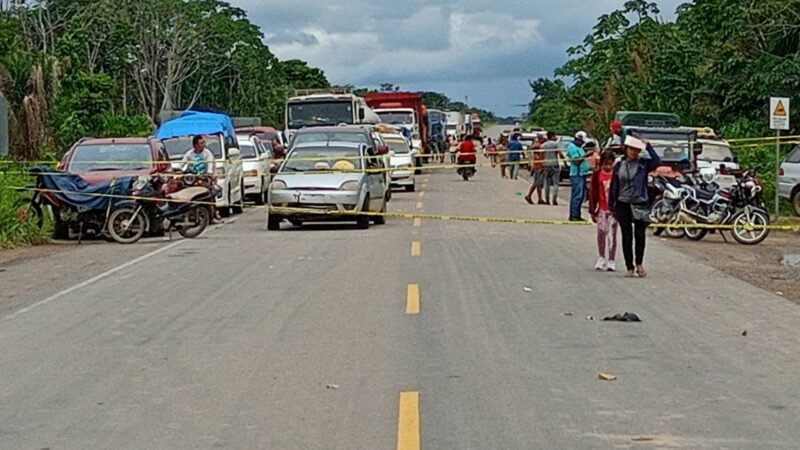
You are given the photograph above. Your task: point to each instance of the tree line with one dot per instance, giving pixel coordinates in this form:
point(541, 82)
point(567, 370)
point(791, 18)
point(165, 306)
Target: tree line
point(715, 65)
point(75, 68)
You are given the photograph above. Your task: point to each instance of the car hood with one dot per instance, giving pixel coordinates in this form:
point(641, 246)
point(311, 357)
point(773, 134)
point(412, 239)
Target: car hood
point(108, 175)
point(317, 180)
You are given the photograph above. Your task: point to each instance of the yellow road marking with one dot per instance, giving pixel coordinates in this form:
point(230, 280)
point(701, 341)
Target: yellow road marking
point(417, 221)
point(419, 205)
point(408, 422)
point(416, 248)
point(422, 194)
point(412, 299)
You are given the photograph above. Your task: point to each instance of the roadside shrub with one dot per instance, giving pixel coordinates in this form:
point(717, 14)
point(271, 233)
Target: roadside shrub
point(13, 230)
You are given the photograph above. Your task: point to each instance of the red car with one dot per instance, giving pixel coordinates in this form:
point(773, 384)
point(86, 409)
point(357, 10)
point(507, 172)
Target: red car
point(97, 160)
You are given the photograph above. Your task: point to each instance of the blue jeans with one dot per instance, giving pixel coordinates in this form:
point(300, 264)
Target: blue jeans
point(513, 169)
point(577, 196)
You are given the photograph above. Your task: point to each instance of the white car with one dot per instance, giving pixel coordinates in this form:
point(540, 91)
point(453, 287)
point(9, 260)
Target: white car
point(716, 154)
point(401, 161)
point(229, 173)
point(789, 180)
point(256, 163)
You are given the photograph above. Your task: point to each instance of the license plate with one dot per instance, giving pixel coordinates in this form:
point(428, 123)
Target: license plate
point(312, 198)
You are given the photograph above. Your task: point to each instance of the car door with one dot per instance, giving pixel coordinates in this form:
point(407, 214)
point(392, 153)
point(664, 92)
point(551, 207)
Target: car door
point(791, 171)
point(233, 163)
point(375, 180)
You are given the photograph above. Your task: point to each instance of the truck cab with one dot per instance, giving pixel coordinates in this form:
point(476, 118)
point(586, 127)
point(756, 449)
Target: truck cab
point(326, 107)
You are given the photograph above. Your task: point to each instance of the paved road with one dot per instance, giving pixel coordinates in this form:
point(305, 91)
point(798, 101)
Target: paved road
point(308, 339)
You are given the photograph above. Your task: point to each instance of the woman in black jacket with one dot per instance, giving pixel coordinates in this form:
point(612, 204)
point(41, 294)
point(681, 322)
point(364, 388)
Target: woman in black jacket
point(629, 201)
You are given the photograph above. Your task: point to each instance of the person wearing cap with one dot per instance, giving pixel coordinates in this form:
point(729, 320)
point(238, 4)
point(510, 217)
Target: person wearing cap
point(578, 172)
point(629, 201)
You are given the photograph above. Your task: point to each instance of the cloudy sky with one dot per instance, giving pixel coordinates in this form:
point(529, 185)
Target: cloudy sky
point(484, 49)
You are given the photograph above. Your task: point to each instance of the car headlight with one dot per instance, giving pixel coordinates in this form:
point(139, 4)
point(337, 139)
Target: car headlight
point(278, 185)
point(350, 186)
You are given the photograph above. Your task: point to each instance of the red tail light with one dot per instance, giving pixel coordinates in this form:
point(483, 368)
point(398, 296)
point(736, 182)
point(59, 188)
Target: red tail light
point(781, 172)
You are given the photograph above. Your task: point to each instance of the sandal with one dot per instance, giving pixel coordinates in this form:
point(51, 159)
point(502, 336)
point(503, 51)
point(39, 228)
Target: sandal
point(630, 274)
point(640, 272)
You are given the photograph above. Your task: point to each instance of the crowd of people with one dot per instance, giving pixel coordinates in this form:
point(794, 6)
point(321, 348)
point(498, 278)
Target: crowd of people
point(614, 187)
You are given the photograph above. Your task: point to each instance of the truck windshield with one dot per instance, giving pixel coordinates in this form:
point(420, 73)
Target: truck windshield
point(716, 152)
point(397, 117)
point(319, 113)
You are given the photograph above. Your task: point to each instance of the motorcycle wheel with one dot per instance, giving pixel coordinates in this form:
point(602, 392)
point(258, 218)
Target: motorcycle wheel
point(126, 217)
point(201, 216)
point(674, 233)
point(695, 234)
point(744, 228)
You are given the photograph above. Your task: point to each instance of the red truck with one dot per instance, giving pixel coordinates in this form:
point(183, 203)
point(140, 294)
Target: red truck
point(405, 110)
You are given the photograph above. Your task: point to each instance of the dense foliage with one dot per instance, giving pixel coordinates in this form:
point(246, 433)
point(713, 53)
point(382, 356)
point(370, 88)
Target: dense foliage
point(72, 68)
point(716, 65)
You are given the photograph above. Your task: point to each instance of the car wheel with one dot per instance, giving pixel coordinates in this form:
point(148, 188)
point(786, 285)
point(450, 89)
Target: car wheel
point(411, 188)
point(796, 202)
point(239, 207)
point(380, 220)
point(362, 222)
point(60, 229)
point(274, 222)
point(261, 198)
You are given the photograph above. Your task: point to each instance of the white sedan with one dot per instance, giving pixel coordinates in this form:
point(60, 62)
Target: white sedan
point(401, 161)
point(256, 162)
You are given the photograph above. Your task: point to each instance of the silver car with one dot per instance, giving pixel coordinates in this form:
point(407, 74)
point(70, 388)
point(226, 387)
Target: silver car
point(789, 180)
point(328, 182)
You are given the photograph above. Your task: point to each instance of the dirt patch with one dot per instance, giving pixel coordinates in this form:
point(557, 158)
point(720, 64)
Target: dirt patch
point(15, 255)
point(760, 265)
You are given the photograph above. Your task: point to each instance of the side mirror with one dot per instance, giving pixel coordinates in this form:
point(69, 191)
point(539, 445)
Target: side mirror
point(233, 152)
point(697, 148)
point(361, 114)
point(273, 170)
point(383, 150)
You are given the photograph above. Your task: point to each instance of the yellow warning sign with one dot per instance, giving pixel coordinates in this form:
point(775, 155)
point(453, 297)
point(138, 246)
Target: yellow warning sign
point(780, 111)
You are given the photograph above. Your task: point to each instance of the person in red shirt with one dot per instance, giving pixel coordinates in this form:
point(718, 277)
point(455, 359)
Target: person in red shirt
point(602, 214)
point(466, 151)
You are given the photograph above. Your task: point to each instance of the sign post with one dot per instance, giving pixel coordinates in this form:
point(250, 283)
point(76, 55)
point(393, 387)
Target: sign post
point(778, 120)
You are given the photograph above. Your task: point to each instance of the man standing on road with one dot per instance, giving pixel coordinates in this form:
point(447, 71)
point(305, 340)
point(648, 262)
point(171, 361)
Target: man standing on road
point(537, 171)
point(515, 149)
point(552, 168)
point(578, 172)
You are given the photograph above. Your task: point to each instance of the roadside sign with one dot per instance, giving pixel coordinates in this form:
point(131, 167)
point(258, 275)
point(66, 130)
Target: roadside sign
point(779, 113)
point(3, 126)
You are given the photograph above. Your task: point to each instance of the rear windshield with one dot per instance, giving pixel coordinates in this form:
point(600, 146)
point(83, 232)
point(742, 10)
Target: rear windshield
point(716, 152)
point(177, 147)
point(94, 158)
point(329, 138)
point(398, 147)
point(248, 150)
point(323, 159)
point(794, 156)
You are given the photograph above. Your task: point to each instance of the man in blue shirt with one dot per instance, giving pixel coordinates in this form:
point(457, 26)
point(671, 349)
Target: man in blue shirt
point(578, 171)
point(515, 149)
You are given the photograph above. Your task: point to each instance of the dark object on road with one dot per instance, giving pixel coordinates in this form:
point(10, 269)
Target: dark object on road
point(744, 333)
point(625, 317)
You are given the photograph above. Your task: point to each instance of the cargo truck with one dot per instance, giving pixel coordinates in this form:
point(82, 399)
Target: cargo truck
point(326, 107)
point(404, 110)
point(455, 123)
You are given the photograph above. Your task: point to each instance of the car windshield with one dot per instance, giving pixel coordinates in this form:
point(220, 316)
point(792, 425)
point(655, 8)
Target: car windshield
point(322, 159)
point(397, 118)
point(177, 147)
point(672, 151)
point(247, 150)
point(91, 158)
point(330, 138)
point(319, 113)
point(716, 152)
point(398, 147)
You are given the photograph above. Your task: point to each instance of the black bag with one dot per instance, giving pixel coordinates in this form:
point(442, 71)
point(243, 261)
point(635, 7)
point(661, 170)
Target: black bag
point(641, 212)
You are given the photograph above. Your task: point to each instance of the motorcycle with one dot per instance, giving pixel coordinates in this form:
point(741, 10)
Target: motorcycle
point(740, 207)
point(76, 205)
point(187, 209)
point(668, 193)
point(468, 162)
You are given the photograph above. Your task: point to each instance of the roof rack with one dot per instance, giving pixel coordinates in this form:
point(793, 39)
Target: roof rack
point(333, 91)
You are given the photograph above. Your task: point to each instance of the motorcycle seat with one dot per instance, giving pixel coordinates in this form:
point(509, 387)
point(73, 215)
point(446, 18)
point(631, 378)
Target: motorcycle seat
point(704, 195)
point(186, 195)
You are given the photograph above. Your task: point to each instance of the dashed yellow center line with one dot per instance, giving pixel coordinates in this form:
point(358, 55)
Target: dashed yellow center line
point(412, 299)
point(417, 222)
point(422, 194)
point(416, 248)
point(408, 422)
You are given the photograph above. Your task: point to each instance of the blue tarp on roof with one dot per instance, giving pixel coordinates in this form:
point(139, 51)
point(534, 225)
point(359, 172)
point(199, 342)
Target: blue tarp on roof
point(191, 123)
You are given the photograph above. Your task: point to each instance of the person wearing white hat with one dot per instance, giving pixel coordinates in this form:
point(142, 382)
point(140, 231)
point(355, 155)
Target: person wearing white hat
point(628, 199)
point(578, 171)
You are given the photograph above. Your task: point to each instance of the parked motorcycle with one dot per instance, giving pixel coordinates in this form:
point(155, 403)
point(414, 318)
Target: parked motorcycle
point(668, 193)
point(740, 207)
point(187, 210)
point(76, 205)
